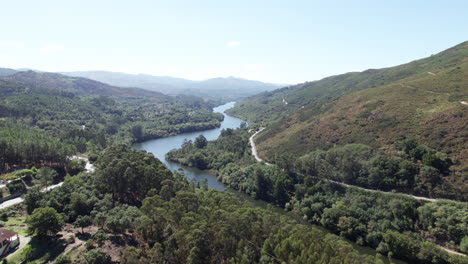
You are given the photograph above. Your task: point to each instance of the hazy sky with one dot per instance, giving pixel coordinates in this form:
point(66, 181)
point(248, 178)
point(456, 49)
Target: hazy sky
point(275, 41)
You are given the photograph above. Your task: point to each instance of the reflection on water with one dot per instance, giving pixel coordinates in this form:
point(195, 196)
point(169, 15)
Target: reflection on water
point(159, 147)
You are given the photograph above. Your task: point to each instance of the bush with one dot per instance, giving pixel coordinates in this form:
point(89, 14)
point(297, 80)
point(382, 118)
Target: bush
point(15, 187)
point(4, 216)
point(71, 239)
point(90, 244)
point(100, 237)
point(63, 259)
point(96, 256)
point(464, 245)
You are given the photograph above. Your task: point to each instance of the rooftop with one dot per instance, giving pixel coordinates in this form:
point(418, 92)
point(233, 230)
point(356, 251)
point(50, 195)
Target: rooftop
point(6, 234)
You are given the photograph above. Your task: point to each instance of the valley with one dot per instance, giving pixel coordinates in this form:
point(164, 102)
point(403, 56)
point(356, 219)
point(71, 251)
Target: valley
point(237, 132)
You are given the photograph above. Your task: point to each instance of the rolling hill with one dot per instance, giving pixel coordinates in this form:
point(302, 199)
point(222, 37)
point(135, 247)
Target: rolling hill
point(77, 85)
point(228, 88)
point(424, 100)
point(6, 72)
point(269, 106)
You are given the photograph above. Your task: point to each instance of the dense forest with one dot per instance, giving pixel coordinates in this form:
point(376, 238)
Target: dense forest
point(374, 219)
point(46, 125)
point(155, 216)
point(340, 197)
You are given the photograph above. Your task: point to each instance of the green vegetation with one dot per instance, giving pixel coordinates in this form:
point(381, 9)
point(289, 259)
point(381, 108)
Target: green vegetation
point(180, 223)
point(269, 106)
point(404, 134)
point(39, 250)
point(44, 222)
point(378, 109)
point(96, 256)
point(375, 219)
point(22, 145)
point(45, 118)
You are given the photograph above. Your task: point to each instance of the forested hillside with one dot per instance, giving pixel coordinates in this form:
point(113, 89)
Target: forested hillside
point(78, 115)
point(421, 103)
point(269, 106)
point(79, 86)
point(384, 221)
point(144, 213)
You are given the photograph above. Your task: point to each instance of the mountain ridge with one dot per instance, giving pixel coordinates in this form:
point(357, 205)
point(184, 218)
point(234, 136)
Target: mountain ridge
point(216, 87)
point(79, 85)
point(269, 106)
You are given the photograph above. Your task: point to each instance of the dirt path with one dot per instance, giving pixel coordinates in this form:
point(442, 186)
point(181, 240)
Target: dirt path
point(254, 148)
point(419, 198)
point(412, 87)
point(451, 252)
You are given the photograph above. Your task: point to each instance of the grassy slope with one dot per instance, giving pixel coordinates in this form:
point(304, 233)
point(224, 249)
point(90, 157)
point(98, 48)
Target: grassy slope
point(269, 106)
point(424, 106)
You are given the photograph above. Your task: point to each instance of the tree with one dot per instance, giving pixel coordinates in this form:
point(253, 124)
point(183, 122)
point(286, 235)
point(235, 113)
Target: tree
point(137, 132)
point(45, 221)
point(100, 237)
point(201, 142)
point(464, 244)
point(45, 176)
point(263, 185)
point(96, 256)
point(83, 221)
point(33, 199)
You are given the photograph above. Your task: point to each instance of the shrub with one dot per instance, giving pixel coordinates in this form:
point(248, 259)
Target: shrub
point(96, 256)
point(63, 259)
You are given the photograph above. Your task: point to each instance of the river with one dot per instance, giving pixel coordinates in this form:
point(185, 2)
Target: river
point(159, 147)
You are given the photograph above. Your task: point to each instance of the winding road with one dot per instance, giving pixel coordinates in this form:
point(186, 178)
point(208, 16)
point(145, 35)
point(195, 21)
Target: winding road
point(88, 168)
point(258, 159)
point(254, 148)
point(419, 198)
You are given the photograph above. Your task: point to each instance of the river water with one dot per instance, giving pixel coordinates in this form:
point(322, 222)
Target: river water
point(159, 147)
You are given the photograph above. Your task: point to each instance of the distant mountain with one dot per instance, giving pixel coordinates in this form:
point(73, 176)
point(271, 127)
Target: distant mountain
point(228, 88)
point(77, 85)
point(6, 72)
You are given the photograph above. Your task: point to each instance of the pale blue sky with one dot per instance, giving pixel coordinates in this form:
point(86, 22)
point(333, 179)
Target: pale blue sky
point(274, 41)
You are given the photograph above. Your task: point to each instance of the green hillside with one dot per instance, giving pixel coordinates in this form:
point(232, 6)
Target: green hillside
point(269, 106)
point(80, 115)
point(77, 85)
point(6, 72)
point(427, 108)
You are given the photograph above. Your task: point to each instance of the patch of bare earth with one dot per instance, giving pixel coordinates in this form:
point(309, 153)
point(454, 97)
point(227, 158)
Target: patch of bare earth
point(114, 246)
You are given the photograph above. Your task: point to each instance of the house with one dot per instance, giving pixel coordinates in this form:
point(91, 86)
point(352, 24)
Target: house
point(8, 240)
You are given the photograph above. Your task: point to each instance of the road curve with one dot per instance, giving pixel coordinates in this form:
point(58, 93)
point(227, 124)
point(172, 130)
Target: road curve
point(88, 168)
point(254, 148)
point(258, 159)
point(419, 198)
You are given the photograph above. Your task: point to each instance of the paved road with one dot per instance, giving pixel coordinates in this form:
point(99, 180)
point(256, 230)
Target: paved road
point(89, 168)
point(20, 199)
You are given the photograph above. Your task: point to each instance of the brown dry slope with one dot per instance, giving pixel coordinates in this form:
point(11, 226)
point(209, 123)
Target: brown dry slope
point(424, 106)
